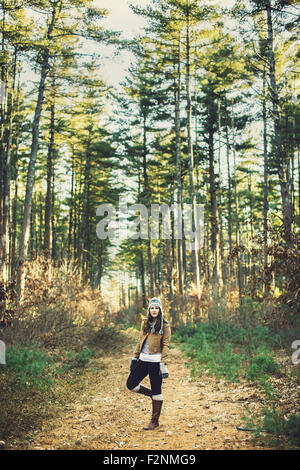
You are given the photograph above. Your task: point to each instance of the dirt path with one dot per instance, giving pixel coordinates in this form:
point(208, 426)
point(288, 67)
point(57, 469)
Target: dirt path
point(195, 415)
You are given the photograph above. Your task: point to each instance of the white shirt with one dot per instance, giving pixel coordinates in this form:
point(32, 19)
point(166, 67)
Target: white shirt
point(146, 356)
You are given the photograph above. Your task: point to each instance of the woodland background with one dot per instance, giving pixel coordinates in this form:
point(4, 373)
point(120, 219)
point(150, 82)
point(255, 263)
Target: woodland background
point(208, 114)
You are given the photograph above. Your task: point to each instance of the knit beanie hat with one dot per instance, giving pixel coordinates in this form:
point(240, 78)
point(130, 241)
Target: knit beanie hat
point(156, 301)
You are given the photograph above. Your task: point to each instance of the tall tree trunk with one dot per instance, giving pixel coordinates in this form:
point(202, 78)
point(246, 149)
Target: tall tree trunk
point(195, 252)
point(136, 287)
point(267, 281)
point(53, 243)
point(76, 213)
point(213, 203)
point(147, 200)
point(237, 222)
point(41, 213)
point(6, 179)
point(252, 257)
point(16, 178)
point(48, 205)
point(222, 275)
point(178, 177)
point(281, 165)
point(206, 239)
point(31, 167)
point(169, 280)
point(299, 182)
point(293, 144)
point(3, 99)
point(31, 231)
point(229, 202)
point(71, 208)
point(99, 264)
point(84, 226)
point(143, 284)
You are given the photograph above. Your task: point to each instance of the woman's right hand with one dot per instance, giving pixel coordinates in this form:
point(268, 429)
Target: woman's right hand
point(133, 362)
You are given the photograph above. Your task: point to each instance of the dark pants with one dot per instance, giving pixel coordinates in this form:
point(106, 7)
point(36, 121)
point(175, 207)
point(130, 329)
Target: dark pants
point(139, 372)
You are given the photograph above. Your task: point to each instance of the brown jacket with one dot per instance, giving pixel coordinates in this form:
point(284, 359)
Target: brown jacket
point(156, 342)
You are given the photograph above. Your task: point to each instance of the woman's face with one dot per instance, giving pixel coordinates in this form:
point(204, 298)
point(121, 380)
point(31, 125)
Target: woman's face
point(154, 311)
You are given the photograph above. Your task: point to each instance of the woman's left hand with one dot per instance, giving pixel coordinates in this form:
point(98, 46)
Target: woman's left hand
point(163, 370)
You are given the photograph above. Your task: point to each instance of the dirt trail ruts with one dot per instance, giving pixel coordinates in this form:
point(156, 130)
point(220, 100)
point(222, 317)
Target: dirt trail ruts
point(199, 414)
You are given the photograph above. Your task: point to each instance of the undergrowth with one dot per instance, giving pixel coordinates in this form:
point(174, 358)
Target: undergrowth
point(239, 353)
point(231, 352)
point(35, 379)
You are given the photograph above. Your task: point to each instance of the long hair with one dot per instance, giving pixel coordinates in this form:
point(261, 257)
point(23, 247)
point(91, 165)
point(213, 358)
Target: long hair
point(147, 327)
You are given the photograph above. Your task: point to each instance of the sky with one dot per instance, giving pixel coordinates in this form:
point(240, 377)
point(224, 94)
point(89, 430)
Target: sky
point(122, 18)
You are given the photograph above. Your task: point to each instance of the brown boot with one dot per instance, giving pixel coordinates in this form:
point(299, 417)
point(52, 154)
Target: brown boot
point(145, 391)
point(156, 409)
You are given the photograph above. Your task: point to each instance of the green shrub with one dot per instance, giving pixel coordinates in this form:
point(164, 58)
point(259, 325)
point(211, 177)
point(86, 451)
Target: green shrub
point(31, 366)
point(221, 362)
point(80, 359)
point(228, 364)
point(183, 332)
point(278, 431)
point(229, 351)
point(261, 365)
point(292, 430)
point(84, 356)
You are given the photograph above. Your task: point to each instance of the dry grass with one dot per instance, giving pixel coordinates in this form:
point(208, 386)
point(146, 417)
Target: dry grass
point(58, 308)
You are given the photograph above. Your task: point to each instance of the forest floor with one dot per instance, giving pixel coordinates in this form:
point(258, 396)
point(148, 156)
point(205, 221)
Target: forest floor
point(102, 414)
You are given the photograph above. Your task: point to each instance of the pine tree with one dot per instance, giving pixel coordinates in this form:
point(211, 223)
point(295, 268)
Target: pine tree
point(56, 29)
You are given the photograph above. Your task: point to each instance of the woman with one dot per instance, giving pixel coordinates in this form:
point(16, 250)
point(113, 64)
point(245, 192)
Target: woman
point(150, 357)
